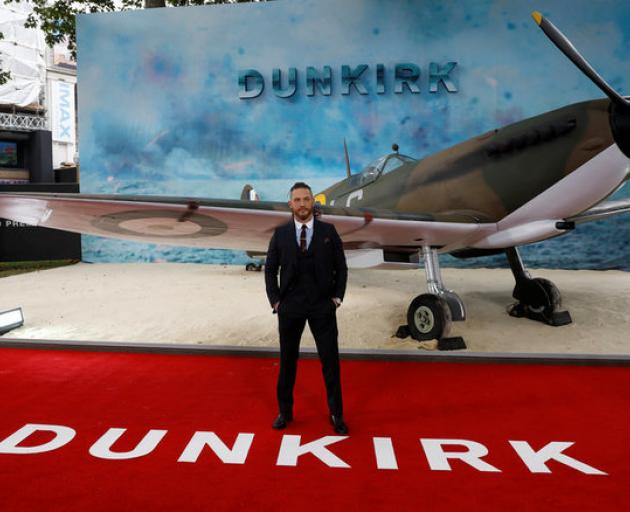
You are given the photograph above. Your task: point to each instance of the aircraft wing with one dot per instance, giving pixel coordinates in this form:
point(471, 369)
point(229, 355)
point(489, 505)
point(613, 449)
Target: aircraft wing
point(602, 210)
point(225, 224)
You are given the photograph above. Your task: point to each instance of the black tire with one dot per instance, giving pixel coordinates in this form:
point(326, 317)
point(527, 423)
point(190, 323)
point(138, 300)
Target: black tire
point(428, 317)
point(552, 298)
point(250, 267)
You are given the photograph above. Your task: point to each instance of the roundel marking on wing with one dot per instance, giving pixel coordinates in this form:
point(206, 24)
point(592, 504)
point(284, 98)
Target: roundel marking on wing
point(160, 223)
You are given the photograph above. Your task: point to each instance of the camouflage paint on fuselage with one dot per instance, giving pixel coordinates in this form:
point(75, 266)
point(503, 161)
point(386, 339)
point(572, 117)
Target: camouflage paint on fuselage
point(488, 177)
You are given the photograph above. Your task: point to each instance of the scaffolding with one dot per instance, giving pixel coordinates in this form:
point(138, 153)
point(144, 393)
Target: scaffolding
point(22, 122)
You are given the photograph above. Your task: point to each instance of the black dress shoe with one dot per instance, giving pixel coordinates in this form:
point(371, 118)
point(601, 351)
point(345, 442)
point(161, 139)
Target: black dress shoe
point(338, 424)
point(281, 421)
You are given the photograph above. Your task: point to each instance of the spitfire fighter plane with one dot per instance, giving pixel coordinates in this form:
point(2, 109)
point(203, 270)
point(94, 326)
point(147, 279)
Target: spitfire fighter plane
point(523, 183)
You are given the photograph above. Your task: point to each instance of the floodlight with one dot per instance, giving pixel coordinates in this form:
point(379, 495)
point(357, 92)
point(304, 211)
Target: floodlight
point(10, 320)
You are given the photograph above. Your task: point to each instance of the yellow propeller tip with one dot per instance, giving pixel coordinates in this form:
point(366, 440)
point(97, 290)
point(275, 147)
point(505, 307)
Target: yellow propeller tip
point(537, 17)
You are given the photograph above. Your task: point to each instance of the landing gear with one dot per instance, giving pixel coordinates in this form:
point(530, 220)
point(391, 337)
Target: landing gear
point(538, 299)
point(430, 315)
point(253, 267)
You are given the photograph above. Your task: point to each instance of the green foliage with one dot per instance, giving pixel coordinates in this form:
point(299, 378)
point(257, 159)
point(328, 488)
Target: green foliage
point(22, 267)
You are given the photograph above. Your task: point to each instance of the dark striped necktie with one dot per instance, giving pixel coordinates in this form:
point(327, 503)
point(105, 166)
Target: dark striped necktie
point(303, 238)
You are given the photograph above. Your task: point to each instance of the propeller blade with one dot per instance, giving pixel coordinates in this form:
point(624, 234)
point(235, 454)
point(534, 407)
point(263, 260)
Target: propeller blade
point(565, 46)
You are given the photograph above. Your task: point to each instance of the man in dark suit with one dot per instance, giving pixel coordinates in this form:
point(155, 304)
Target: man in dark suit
point(313, 275)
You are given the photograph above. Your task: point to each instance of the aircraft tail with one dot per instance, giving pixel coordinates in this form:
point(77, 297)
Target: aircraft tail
point(249, 194)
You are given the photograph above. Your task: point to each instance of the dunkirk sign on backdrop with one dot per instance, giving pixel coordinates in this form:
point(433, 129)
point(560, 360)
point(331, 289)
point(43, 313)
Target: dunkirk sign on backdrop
point(360, 79)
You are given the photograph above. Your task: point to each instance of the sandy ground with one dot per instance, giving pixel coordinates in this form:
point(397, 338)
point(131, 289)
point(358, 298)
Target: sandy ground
point(225, 305)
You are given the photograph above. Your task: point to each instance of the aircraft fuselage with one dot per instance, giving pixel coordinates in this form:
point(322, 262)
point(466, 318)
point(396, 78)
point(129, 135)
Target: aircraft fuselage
point(486, 178)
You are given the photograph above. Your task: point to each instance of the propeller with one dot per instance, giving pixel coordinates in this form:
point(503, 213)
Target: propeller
point(619, 106)
point(566, 47)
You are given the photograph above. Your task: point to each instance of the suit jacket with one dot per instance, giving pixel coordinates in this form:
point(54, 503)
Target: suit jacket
point(331, 271)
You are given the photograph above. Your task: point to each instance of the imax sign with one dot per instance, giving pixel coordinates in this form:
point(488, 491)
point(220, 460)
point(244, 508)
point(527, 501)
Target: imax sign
point(63, 112)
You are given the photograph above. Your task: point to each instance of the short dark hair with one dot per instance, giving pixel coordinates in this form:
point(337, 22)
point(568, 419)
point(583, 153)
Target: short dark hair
point(300, 184)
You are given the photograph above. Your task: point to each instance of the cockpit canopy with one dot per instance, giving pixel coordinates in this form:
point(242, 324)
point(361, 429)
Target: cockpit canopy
point(383, 165)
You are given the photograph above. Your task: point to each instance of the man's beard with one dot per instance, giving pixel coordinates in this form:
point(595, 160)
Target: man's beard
point(303, 214)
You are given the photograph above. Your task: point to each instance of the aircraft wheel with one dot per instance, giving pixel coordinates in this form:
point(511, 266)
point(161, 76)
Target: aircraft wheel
point(428, 317)
point(549, 300)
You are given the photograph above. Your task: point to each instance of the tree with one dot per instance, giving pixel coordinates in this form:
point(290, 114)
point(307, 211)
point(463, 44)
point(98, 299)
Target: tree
point(57, 18)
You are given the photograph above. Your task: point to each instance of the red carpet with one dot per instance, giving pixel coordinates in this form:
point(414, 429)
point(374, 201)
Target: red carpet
point(405, 402)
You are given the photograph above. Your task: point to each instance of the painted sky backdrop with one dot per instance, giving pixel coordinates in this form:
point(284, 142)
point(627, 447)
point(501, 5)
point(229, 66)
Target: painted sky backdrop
point(159, 107)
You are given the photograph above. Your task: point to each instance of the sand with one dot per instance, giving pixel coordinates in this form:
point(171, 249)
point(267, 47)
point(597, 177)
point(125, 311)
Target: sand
point(225, 305)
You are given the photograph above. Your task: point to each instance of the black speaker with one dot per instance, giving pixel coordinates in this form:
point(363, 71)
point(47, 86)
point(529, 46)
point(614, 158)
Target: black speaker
point(38, 157)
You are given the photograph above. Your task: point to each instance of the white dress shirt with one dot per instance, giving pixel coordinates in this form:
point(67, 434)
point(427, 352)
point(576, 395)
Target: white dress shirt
point(309, 231)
